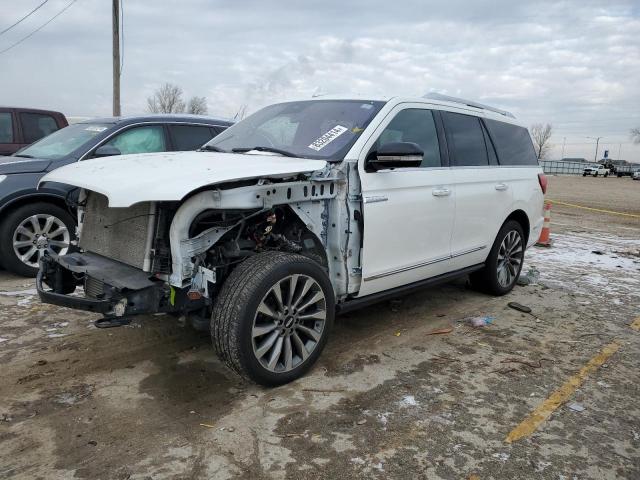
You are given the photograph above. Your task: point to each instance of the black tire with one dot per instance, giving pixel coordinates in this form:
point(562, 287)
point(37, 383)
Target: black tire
point(595, 174)
point(606, 175)
point(486, 280)
point(236, 308)
point(14, 219)
point(584, 174)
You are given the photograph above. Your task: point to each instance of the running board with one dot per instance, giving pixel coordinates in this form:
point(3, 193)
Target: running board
point(360, 302)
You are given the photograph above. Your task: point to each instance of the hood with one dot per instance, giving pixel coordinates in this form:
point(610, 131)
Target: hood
point(129, 179)
point(10, 165)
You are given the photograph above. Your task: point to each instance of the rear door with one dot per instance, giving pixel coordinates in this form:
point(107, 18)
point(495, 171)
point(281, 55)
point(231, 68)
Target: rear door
point(483, 193)
point(408, 212)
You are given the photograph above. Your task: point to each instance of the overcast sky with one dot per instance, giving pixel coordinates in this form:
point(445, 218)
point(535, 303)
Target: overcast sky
point(575, 64)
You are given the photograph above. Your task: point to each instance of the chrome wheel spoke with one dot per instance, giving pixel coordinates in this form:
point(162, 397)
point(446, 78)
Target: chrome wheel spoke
point(258, 331)
point(275, 354)
point(288, 353)
point(33, 220)
point(27, 256)
point(309, 332)
point(277, 293)
point(24, 231)
point(23, 243)
point(319, 315)
point(313, 300)
point(48, 223)
point(305, 289)
point(61, 230)
point(57, 243)
point(264, 309)
point(302, 350)
point(293, 283)
point(267, 344)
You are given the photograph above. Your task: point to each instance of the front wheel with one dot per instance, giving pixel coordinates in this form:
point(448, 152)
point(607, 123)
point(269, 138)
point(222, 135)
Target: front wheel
point(272, 317)
point(504, 262)
point(606, 175)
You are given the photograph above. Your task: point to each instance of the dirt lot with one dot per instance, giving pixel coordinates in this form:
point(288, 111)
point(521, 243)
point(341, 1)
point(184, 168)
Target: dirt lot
point(388, 398)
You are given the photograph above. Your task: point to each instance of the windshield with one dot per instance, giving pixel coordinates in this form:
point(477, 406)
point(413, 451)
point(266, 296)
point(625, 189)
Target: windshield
point(323, 129)
point(61, 143)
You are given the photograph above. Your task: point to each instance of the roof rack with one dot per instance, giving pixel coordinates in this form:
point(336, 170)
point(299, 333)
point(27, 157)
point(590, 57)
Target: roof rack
point(469, 103)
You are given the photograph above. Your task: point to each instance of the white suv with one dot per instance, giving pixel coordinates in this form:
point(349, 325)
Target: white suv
point(302, 210)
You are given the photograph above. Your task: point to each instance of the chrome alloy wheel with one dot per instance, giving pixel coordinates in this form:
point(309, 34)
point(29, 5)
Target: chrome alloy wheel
point(510, 257)
point(38, 234)
point(289, 323)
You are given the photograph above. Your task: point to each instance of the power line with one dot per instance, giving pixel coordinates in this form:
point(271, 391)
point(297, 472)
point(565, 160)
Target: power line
point(27, 15)
point(39, 28)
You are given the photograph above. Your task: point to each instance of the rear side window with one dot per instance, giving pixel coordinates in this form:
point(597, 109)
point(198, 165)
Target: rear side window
point(36, 125)
point(189, 137)
point(513, 143)
point(466, 140)
point(6, 127)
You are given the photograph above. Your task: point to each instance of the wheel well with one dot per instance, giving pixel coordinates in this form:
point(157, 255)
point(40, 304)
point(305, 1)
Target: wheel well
point(21, 201)
point(521, 217)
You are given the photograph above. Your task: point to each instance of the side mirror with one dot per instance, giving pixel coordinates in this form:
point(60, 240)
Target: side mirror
point(397, 155)
point(106, 151)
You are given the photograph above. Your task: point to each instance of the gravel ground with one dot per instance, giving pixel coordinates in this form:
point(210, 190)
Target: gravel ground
point(389, 398)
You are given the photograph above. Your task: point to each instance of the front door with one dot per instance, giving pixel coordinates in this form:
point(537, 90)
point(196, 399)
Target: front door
point(408, 212)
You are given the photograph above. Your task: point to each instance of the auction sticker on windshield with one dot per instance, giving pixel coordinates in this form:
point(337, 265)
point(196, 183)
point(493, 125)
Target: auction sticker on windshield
point(95, 128)
point(327, 138)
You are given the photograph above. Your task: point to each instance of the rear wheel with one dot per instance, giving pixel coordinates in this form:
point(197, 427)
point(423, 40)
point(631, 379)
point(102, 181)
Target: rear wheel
point(31, 230)
point(504, 262)
point(272, 317)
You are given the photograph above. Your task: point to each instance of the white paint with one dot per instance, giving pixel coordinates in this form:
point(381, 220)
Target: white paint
point(129, 179)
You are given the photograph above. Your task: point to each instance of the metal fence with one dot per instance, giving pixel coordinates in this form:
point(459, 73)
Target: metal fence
point(564, 167)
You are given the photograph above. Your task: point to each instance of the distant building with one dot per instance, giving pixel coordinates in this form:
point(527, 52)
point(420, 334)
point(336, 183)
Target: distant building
point(568, 159)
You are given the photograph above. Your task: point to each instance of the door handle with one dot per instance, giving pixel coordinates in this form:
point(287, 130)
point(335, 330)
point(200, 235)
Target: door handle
point(441, 192)
point(502, 186)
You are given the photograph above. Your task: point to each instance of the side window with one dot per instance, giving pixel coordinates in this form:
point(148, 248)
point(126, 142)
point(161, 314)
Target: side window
point(466, 140)
point(149, 138)
point(513, 143)
point(6, 127)
point(189, 137)
point(36, 125)
point(414, 125)
point(491, 151)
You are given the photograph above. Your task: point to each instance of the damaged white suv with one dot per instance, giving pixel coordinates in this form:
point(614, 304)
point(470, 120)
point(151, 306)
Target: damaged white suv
point(302, 210)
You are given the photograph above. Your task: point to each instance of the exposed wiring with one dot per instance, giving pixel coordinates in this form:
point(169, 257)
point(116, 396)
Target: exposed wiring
point(39, 28)
point(27, 15)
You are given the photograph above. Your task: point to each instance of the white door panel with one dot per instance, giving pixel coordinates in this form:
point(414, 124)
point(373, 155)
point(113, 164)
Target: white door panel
point(484, 196)
point(408, 221)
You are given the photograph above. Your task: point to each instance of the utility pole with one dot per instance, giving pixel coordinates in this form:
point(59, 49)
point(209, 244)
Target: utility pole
point(619, 148)
point(116, 57)
point(595, 156)
point(564, 139)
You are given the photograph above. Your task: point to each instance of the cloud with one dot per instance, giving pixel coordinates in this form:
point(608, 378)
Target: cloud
point(574, 63)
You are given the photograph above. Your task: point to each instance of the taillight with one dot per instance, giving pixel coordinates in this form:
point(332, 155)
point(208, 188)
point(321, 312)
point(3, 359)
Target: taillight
point(542, 179)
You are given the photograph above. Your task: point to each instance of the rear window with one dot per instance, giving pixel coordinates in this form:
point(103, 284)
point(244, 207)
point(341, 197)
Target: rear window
point(513, 143)
point(36, 125)
point(6, 127)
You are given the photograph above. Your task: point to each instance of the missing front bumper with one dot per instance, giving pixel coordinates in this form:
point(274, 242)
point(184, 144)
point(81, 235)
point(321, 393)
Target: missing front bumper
point(110, 287)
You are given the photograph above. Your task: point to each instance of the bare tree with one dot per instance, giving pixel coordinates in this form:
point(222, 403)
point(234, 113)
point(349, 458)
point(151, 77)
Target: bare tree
point(635, 134)
point(197, 106)
point(541, 134)
point(166, 99)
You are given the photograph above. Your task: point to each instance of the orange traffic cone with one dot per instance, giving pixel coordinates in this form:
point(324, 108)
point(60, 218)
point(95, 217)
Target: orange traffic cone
point(545, 240)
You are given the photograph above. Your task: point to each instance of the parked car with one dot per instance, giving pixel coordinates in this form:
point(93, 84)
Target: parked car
point(301, 210)
point(21, 126)
point(34, 220)
point(597, 170)
point(636, 175)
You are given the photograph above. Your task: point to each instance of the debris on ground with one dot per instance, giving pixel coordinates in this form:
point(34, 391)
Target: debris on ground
point(597, 252)
point(530, 277)
point(576, 407)
point(440, 331)
point(481, 321)
point(519, 307)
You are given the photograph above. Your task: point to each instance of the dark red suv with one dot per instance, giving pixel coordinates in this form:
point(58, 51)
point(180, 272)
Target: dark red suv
point(22, 126)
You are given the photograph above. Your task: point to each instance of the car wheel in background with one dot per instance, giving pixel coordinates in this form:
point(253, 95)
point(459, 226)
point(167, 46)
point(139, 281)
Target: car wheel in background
point(29, 231)
point(273, 316)
point(504, 262)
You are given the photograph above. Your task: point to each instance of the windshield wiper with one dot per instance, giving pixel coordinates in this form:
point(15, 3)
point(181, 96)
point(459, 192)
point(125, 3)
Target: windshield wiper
point(22, 155)
point(211, 148)
point(263, 149)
